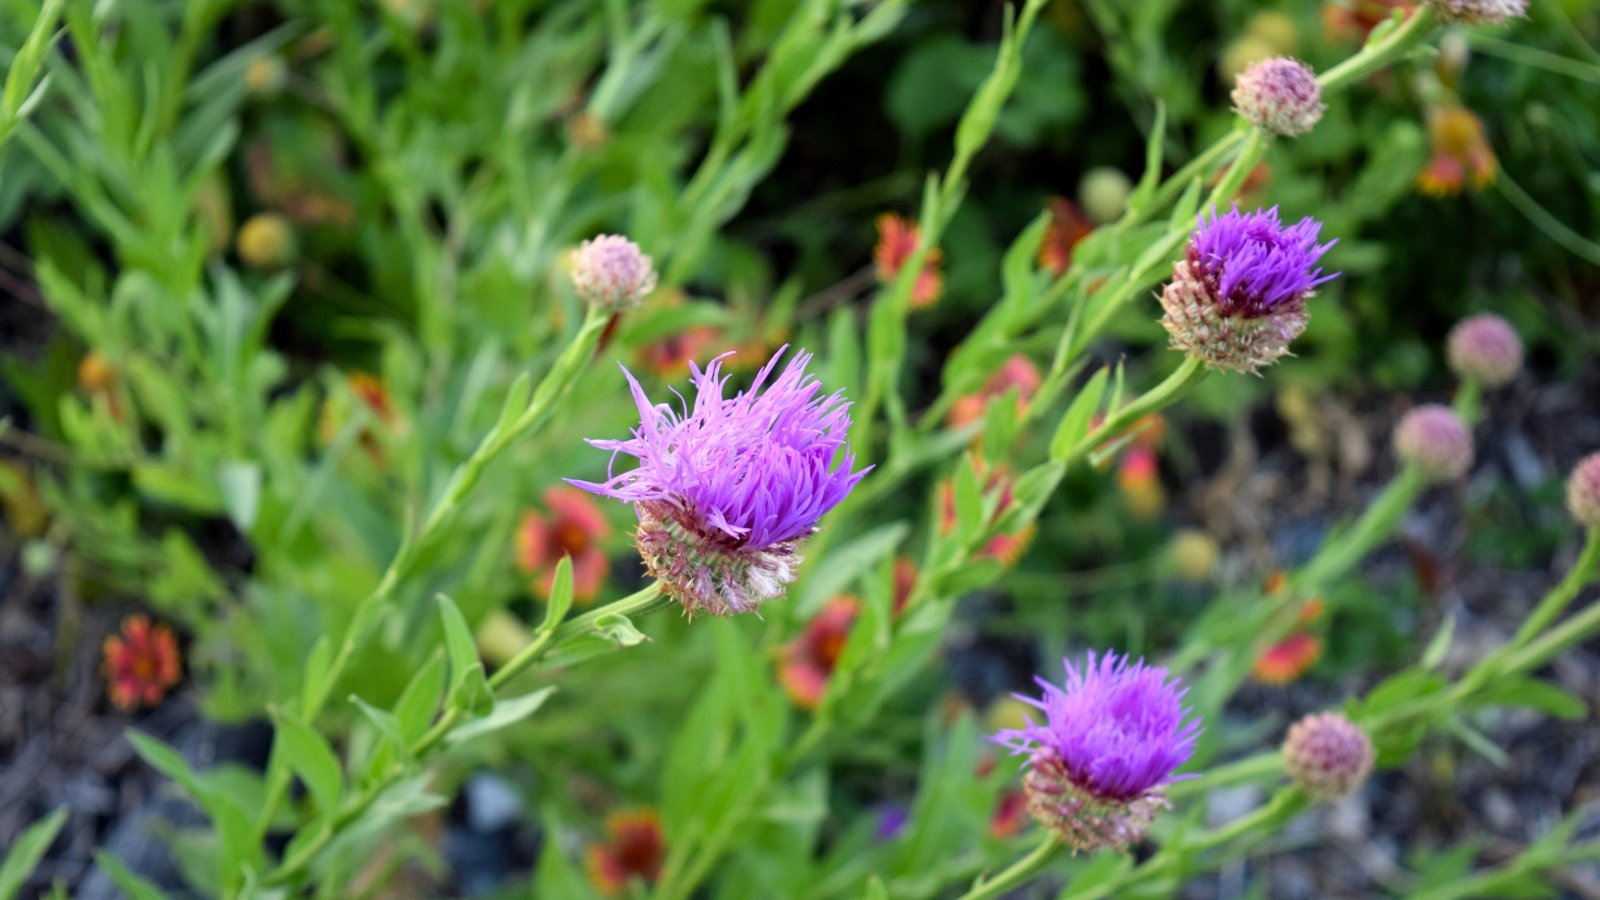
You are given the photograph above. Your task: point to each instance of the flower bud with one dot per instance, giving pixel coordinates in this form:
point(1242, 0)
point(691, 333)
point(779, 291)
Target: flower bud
point(1103, 193)
point(611, 273)
point(1484, 348)
point(265, 241)
point(1583, 492)
point(1238, 297)
point(1435, 440)
point(1493, 12)
point(1280, 95)
point(1327, 755)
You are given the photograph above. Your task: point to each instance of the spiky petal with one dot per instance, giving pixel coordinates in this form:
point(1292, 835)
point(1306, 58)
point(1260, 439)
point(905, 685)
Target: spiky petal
point(726, 490)
point(1112, 737)
point(1238, 297)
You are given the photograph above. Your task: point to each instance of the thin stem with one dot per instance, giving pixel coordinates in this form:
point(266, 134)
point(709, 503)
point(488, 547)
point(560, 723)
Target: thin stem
point(1188, 373)
point(1018, 873)
point(1379, 53)
point(1581, 573)
point(1554, 228)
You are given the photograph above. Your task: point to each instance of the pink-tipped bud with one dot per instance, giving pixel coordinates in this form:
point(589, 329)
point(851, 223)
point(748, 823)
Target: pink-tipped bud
point(1327, 755)
point(611, 273)
point(1435, 440)
point(1280, 95)
point(1583, 492)
point(1484, 348)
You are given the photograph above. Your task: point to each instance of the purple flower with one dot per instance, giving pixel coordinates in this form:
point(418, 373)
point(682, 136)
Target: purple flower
point(1111, 739)
point(725, 491)
point(1237, 298)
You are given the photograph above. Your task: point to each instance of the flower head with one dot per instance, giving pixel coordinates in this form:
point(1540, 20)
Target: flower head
point(1435, 440)
point(1460, 149)
point(1112, 737)
point(1280, 95)
point(805, 664)
point(897, 240)
point(1494, 12)
point(727, 490)
point(610, 272)
point(1486, 349)
point(636, 849)
point(570, 526)
point(1583, 492)
point(141, 663)
point(1238, 297)
point(1327, 755)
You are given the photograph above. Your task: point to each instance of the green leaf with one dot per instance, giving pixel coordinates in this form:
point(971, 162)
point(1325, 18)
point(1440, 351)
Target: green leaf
point(504, 713)
point(847, 563)
point(418, 703)
point(560, 595)
point(611, 631)
point(1477, 741)
point(1439, 645)
point(386, 723)
point(136, 887)
point(1075, 422)
point(516, 401)
point(309, 755)
point(968, 499)
point(316, 684)
point(241, 493)
point(466, 670)
point(26, 851)
point(1533, 694)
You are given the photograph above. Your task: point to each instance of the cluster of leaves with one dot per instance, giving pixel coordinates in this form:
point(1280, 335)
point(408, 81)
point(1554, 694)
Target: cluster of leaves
point(317, 250)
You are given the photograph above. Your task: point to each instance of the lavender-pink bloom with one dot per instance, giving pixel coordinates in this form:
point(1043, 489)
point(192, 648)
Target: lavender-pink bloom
point(1237, 298)
point(725, 491)
point(1111, 739)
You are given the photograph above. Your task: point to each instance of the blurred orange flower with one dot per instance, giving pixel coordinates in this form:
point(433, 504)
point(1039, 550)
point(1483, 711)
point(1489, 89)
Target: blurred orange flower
point(1018, 372)
point(1288, 659)
point(1007, 548)
point(141, 664)
point(636, 849)
point(1068, 226)
point(1139, 482)
point(897, 240)
point(806, 663)
point(905, 581)
point(572, 526)
point(1461, 153)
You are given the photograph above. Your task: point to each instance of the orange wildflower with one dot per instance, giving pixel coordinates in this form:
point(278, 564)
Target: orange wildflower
point(1068, 226)
point(1288, 659)
point(905, 581)
point(141, 664)
point(897, 240)
point(636, 849)
point(572, 526)
point(1461, 153)
point(669, 357)
point(1010, 814)
point(806, 663)
point(1139, 481)
point(1018, 372)
point(1347, 19)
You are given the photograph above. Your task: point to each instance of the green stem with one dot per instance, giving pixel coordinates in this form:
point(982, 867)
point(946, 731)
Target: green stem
point(1541, 218)
point(1581, 573)
point(554, 387)
point(641, 602)
point(1174, 386)
point(1248, 769)
point(1500, 881)
point(1379, 53)
point(1018, 873)
point(1376, 523)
